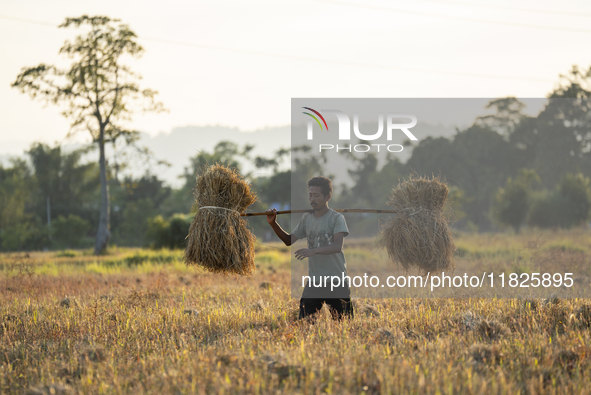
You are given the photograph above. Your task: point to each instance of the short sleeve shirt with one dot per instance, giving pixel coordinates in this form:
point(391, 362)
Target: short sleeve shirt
point(319, 232)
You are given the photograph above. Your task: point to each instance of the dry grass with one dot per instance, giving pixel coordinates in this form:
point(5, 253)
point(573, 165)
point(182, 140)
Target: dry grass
point(485, 354)
point(125, 336)
point(419, 234)
point(491, 330)
point(219, 239)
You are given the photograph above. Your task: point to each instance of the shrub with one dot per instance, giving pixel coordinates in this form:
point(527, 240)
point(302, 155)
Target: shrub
point(575, 190)
point(30, 234)
point(546, 210)
point(567, 206)
point(512, 202)
point(171, 233)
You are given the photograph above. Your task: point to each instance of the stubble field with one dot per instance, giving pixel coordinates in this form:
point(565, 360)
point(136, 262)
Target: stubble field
point(140, 321)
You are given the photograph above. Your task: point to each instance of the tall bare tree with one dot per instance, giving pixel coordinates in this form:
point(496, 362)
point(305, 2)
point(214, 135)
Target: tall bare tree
point(98, 93)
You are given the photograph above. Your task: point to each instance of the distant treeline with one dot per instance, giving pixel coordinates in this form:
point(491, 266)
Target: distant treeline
point(506, 170)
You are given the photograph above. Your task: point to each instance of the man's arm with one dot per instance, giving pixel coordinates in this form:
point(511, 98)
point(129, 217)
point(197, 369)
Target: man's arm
point(288, 239)
point(336, 246)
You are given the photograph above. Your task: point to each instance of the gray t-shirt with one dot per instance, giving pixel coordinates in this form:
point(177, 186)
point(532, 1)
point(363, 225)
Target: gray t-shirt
point(319, 232)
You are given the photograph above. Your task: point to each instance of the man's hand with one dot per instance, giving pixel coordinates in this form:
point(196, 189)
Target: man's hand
point(304, 253)
point(285, 237)
point(271, 216)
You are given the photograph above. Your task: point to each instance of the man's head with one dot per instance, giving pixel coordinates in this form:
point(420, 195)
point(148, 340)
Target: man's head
point(320, 191)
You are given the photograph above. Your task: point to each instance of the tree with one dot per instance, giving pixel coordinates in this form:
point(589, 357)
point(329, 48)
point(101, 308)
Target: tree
point(225, 152)
point(362, 193)
point(171, 233)
point(512, 203)
point(99, 93)
point(69, 231)
point(15, 192)
point(546, 209)
point(18, 228)
point(575, 189)
point(134, 201)
point(63, 185)
point(561, 131)
point(507, 116)
point(276, 188)
point(568, 205)
point(47, 163)
point(478, 160)
point(575, 85)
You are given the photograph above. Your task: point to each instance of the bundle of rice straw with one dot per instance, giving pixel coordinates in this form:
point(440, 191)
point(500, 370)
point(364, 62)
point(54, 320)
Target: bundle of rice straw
point(218, 238)
point(419, 234)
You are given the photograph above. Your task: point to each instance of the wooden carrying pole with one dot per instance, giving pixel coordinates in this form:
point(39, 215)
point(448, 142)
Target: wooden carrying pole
point(340, 210)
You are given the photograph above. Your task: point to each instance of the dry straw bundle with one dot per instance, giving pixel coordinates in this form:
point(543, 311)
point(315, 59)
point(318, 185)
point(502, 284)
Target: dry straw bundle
point(419, 234)
point(218, 238)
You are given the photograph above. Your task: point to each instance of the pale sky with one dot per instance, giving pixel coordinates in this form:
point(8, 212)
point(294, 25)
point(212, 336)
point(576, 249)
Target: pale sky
point(375, 48)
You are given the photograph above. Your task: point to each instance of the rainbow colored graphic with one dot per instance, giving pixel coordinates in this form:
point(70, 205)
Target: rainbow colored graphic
point(317, 113)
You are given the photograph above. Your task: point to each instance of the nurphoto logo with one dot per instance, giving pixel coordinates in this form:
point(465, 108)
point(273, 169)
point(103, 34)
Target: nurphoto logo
point(392, 124)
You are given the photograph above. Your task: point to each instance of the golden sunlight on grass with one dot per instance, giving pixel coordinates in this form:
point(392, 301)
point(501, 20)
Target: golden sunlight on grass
point(140, 321)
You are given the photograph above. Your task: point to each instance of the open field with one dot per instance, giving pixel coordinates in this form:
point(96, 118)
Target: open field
point(140, 321)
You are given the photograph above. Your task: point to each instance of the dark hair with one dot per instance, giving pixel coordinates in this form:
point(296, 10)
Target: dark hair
point(324, 183)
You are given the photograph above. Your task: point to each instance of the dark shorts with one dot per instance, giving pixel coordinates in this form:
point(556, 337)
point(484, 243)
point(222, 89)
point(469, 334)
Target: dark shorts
point(338, 301)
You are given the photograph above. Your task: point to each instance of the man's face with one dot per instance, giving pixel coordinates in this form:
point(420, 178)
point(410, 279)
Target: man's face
point(317, 199)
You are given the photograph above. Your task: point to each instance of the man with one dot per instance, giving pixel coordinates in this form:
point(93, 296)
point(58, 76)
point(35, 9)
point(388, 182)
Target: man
point(324, 230)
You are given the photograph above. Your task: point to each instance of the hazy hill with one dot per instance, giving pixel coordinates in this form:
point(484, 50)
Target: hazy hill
point(182, 143)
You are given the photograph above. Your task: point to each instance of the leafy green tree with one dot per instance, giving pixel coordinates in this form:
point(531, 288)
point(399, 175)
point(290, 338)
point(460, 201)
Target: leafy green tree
point(148, 186)
point(563, 142)
point(546, 210)
point(19, 229)
point(156, 232)
point(15, 192)
point(98, 92)
point(562, 131)
point(226, 153)
point(276, 188)
point(47, 164)
point(371, 183)
point(568, 205)
point(68, 232)
point(456, 200)
point(362, 194)
point(512, 202)
point(63, 185)
point(576, 84)
point(577, 194)
point(135, 200)
point(478, 160)
point(508, 114)
point(486, 161)
point(272, 191)
point(129, 230)
point(28, 234)
point(170, 233)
